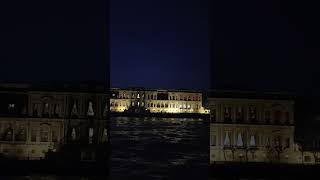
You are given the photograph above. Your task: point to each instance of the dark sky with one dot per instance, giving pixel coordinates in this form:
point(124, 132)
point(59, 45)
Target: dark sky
point(164, 43)
point(268, 45)
point(56, 40)
point(159, 43)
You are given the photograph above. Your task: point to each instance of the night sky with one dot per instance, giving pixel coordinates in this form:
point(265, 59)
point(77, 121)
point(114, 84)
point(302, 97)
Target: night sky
point(268, 45)
point(53, 41)
point(265, 45)
point(159, 44)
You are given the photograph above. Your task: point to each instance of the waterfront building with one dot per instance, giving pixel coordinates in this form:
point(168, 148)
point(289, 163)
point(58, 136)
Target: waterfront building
point(252, 127)
point(157, 101)
point(37, 119)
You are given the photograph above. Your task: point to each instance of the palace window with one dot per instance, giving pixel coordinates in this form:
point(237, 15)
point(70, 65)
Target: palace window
point(44, 134)
point(11, 107)
point(56, 110)
point(252, 142)
point(33, 134)
point(54, 136)
point(240, 140)
point(239, 114)
point(287, 118)
point(267, 117)
point(35, 111)
point(20, 134)
point(213, 115)
point(277, 117)
point(226, 141)
point(252, 114)
point(213, 140)
point(227, 114)
point(8, 134)
point(287, 143)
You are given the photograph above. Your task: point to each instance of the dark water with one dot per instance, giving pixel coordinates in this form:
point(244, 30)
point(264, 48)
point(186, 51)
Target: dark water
point(159, 148)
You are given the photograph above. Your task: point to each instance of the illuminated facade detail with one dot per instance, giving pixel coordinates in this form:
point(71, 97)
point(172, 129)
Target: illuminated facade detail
point(49, 119)
point(157, 101)
point(253, 129)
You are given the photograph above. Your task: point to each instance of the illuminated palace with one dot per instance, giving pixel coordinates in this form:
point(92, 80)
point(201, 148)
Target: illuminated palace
point(251, 127)
point(156, 101)
point(38, 119)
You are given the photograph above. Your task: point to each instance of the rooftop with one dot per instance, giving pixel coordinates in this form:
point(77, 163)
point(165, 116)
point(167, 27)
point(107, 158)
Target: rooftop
point(158, 90)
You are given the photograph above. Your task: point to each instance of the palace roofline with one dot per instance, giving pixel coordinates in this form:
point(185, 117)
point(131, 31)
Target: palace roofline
point(158, 90)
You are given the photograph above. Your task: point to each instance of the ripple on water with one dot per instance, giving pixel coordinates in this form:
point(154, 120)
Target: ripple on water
point(155, 147)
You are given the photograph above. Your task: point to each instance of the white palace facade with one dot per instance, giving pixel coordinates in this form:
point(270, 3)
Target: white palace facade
point(252, 127)
point(157, 101)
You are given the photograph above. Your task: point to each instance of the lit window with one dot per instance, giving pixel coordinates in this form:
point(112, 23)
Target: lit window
point(226, 141)
point(239, 140)
point(11, 107)
point(252, 141)
point(138, 96)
